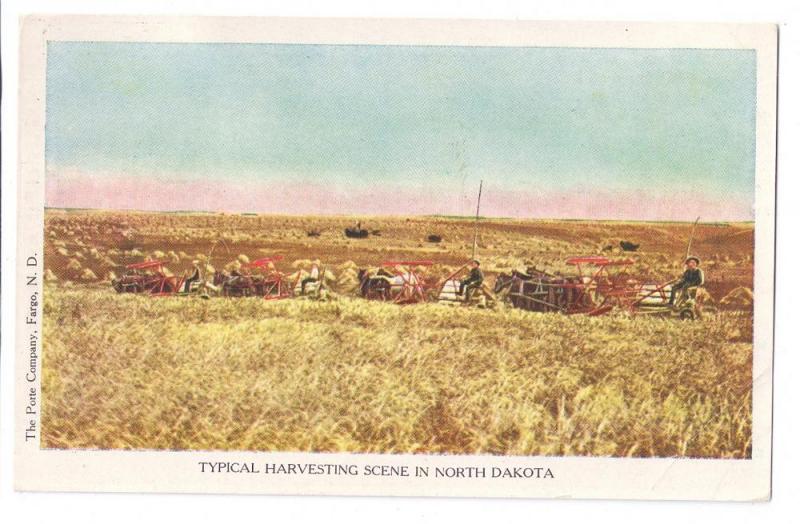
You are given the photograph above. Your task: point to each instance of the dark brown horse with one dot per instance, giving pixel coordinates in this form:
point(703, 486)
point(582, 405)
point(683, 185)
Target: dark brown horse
point(236, 284)
point(542, 292)
point(376, 287)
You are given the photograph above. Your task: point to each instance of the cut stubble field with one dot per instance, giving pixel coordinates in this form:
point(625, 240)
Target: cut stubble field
point(181, 373)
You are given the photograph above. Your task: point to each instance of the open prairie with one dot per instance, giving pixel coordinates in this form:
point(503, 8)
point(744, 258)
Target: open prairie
point(135, 372)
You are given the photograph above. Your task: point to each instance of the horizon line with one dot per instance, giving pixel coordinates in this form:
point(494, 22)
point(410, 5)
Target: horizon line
point(390, 215)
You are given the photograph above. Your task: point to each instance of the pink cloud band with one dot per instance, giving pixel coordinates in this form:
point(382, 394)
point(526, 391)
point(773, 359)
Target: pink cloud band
point(81, 190)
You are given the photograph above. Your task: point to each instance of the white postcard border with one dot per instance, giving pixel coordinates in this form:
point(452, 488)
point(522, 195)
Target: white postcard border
point(573, 477)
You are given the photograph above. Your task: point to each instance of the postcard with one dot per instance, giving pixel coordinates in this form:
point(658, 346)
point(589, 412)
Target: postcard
point(395, 257)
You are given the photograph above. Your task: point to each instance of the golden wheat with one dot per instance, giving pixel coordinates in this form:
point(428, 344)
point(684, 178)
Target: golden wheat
point(134, 372)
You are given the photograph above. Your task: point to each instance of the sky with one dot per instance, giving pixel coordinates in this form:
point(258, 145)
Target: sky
point(349, 129)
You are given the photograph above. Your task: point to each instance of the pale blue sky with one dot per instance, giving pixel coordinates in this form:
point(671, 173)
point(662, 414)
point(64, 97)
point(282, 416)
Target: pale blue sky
point(555, 118)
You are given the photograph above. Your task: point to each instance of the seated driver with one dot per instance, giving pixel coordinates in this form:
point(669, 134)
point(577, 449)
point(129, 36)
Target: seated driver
point(692, 277)
point(313, 276)
point(473, 281)
point(195, 276)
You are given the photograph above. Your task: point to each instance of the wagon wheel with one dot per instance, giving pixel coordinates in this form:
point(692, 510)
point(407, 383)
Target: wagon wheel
point(381, 291)
point(171, 285)
point(627, 294)
point(288, 287)
point(584, 299)
point(482, 297)
point(591, 297)
point(562, 299)
point(504, 297)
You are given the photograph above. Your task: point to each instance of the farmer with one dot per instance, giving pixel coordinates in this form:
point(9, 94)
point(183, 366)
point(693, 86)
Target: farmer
point(313, 276)
point(692, 277)
point(195, 277)
point(473, 281)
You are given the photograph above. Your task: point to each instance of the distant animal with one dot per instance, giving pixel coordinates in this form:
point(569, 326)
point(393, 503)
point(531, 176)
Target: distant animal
point(375, 232)
point(434, 238)
point(352, 232)
point(608, 247)
point(628, 246)
point(313, 233)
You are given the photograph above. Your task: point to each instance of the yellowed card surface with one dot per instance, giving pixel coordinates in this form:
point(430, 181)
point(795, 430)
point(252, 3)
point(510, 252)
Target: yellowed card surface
point(396, 257)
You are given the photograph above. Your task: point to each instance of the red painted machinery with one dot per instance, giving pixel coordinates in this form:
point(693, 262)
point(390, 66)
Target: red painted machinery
point(149, 276)
point(401, 282)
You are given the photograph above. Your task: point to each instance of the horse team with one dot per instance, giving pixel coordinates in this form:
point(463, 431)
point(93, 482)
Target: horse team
point(597, 285)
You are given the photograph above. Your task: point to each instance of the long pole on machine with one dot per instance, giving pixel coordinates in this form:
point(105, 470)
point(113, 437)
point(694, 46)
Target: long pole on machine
point(477, 216)
point(691, 237)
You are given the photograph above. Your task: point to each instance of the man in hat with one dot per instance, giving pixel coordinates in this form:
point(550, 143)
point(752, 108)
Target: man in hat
point(692, 277)
point(313, 276)
point(473, 281)
point(195, 277)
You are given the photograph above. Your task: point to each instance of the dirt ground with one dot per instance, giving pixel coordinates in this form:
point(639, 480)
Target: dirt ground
point(103, 242)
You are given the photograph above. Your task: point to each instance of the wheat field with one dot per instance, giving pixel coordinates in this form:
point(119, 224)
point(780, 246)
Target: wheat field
point(351, 375)
point(181, 373)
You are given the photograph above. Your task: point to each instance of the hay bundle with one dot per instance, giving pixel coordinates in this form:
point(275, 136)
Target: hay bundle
point(88, 275)
point(348, 279)
point(135, 253)
point(703, 296)
point(110, 276)
point(740, 296)
point(73, 265)
point(49, 276)
point(661, 258)
point(62, 251)
point(297, 275)
point(233, 266)
point(173, 257)
point(302, 262)
point(157, 254)
point(244, 259)
point(107, 262)
point(349, 273)
point(348, 266)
